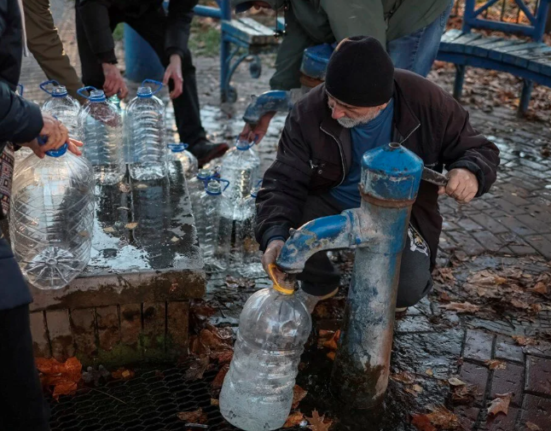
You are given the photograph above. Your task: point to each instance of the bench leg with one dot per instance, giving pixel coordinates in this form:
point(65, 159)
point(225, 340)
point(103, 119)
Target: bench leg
point(225, 48)
point(459, 79)
point(525, 97)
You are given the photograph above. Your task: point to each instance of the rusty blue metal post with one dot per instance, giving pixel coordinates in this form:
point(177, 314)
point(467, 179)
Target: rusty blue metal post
point(390, 180)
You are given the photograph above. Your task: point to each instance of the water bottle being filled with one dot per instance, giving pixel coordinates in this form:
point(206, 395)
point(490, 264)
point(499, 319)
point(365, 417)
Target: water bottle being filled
point(180, 158)
point(258, 390)
point(214, 238)
point(145, 125)
point(101, 126)
point(52, 217)
point(247, 253)
point(240, 166)
point(62, 106)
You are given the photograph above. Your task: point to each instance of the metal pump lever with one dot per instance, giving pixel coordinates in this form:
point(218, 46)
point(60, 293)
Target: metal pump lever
point(434, 177)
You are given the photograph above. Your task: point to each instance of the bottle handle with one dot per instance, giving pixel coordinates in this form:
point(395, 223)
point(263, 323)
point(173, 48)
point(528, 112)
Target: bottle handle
point(45, 83)
point(21, 88)
point(152, 81)
point(222, 180)
point(81, 91)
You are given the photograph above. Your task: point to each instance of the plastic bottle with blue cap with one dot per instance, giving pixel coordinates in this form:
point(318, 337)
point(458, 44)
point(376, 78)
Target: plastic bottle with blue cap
point(62, 106)
point(180, 158)
point(101, 126)
point(145, 134)
point(52, 217)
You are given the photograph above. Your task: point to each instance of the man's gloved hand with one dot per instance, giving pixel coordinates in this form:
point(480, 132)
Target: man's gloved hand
point(255, 135)
point(272, 253)
point(114, 82)
point(174, 72)
point(462, 185)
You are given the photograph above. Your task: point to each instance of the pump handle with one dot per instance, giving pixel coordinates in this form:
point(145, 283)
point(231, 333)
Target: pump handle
point(434, 177)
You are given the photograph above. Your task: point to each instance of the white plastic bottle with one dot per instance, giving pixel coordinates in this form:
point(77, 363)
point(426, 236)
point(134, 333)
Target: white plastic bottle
point(179, 155)
point(52, 216)
point(258, 390)
point(145, 138)
point(247, 253)
point(102, 131)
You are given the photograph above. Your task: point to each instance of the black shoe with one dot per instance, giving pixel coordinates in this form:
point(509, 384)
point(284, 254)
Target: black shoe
point(205, 151)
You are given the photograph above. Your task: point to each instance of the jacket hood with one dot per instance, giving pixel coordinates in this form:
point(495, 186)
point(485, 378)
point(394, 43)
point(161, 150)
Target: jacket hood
point(245, 5)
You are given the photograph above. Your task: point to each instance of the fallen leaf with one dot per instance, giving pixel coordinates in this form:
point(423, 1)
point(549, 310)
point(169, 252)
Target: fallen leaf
point(442, 417)
point(524, 341)
point(461, 307)
point(462, 395)
point(500, 404)
point(414, 389)
point(214, 402)
point(109, 229)
point(535, 308)
point(317, 422)
point(141, 186)
point(494, 364)
point(197, 368)
point(219, 379)
point(429, 372)
point(63, 376)
point(131, 226)
point(223, 357)
point(332, 344)
point(454, 381)
point(174, 239)
point(324, 335)
point(403, 377)
point(298, 396)
point(519, 304)
point(122, 374)
point(331, 355)
point(124, 187)
point(532, 426)
point(294, 420)
point(65, 388)
point(444, 274)
point(540, 287)
point(422, 423)
point(212, 340)
point(487, 278)
point(195, 416)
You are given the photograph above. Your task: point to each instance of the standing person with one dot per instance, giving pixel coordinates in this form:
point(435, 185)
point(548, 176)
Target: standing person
point(168, 35)
point(410, 30)
point(44, 43)
point(22, 406)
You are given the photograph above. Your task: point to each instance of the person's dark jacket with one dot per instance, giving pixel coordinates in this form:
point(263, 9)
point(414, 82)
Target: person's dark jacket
point(315, 155)
point(20, 120)
point(95, 16)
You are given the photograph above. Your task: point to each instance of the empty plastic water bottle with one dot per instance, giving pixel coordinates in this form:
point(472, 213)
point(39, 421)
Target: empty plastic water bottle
point(196, 187)
point(248, 255)
point(101, 126)
point(240, 166)
point(258, 390)
point(62, 106)
point(179, 156)
point(214, 238)
point(52, 215)
point(145, 125)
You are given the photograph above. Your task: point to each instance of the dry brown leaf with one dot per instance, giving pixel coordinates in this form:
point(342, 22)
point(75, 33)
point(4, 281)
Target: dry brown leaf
point(324, 336)
point(487, 278)
point(443, 418)
point(223, 356)
point(298, 396)
point(444, 274)
point(403, 377)
point(540, 287)
point(318, 423)
point(414, 389)
point(500, 404)
point(332, 344)
point(214, 402)
point(195, 416)
point(331, 355)
point(429, 372)
point(454, 381)
point(63, 376)
point(219, 379)
point(521, 305)
point(462, 395)
point(532, 426)
point(494, 364)
point(122, 374)
point(109, 229)
point(461, 307)
point(124, 187)
point(197, 368)
point(524, 341)
point(131, 226)
point(211, 339)
point(141, 186)
point(422, 423)
point(535, 308)
point(294, 420)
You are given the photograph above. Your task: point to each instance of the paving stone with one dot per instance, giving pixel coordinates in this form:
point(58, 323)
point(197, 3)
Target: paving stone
point(467, 416)
point(511, 379)
point(541, 244)
point(542, 349)
point(506, 350)
point(534, 223)
point(516, 226)
point(538, 376)
point(536, 410)
point(469, 225)
point(476, 375)
point(466, 242)
point(448, 225)
point(508, 207)
point(490, 223)
point(490, 241)
point(411, 324)
point(502, 422)
point(478, 345)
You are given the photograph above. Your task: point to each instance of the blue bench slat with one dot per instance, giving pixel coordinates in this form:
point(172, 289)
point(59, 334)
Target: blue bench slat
point(450, 35)
point(541, 66)
point(520, 55)
point(458, 45)
point(479, 45)
point(495, 50)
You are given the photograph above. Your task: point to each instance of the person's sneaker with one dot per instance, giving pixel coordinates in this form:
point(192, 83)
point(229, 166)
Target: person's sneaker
point(311, 300)
point(205, 151)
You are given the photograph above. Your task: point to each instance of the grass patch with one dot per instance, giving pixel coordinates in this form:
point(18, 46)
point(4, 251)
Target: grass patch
point(118, 34)
point(205, 38)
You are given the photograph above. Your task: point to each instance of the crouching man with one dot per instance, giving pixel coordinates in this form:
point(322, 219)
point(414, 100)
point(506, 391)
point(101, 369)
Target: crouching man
point(366, 103)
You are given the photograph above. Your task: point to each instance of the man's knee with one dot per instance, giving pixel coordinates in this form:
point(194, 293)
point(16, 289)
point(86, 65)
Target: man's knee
point(412, 290)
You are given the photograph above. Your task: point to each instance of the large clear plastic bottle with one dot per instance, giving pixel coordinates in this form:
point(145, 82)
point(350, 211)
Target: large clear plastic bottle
point(145, 125)
point(214, 238)
point(196, 187)
point(247, 253)
point(52, 216)
point(258, 390)
point(240, 166)
point(62, 106)
point(179, 156)
point(102, 132)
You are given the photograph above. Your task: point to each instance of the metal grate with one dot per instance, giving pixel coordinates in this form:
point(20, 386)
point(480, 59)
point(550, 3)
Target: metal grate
point(147, 402)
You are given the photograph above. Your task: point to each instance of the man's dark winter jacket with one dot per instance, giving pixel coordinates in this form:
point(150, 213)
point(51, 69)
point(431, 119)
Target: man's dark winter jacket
point(95, 16)
point(315, 154)
point(20, 120)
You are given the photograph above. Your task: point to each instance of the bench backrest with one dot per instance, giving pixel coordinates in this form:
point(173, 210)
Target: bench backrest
point(525, 17)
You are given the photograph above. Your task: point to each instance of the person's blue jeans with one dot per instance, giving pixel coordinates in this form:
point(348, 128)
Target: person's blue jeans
point(417, 51)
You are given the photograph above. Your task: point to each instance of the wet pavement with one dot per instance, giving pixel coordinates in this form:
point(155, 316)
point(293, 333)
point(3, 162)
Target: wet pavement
point(507, 232)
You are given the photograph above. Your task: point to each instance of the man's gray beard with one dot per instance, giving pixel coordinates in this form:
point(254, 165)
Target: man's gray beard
point(350, 123)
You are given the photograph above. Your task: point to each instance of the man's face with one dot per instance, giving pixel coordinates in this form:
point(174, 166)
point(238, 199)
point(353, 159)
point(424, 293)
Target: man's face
point(351, 116)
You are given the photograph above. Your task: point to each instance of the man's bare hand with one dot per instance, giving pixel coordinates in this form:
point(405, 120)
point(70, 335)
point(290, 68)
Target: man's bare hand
point(174, 72)
point(114, 82)
point(40, 150)
point(462, 185)
point(256, 133)
point(272, 253)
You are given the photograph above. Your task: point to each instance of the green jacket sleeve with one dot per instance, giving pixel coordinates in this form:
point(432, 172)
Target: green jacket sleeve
point(356, 18)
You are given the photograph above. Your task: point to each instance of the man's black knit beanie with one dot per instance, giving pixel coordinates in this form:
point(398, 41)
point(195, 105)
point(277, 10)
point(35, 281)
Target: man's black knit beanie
point(360, 73)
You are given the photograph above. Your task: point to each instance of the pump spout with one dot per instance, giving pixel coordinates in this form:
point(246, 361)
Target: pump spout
point(270, 101)
point(326, 233)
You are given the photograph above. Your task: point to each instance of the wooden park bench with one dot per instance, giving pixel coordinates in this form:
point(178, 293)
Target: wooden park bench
point(528, 59)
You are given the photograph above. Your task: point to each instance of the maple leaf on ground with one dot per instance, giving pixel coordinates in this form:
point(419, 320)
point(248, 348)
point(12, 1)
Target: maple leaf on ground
point(422, 423)
point(317, 422)
point(500, 404)
point(461, 307)
point(443, 418)
point(494, 364)
point(403, 377)
point(524, 341)
point(195, 416)
point(219, 379)
point(298, 395)
point(122, 374)
point(63, 376)
point(294, 420)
